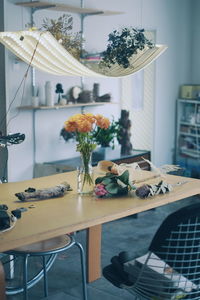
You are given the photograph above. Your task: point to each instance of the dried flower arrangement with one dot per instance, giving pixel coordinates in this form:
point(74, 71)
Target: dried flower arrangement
point(148, 190)
point(61, 29)
point(117, 185)
point(122, 44)
point(117, 180)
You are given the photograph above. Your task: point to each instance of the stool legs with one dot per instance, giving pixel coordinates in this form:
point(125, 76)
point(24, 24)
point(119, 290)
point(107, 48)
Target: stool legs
point(45, 276)
point(25, 276)
point(2, 283)
point(47, 263)
point(83, 270)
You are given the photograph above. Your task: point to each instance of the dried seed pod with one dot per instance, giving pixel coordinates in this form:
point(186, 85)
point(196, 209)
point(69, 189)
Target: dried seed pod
point(143, 191)
point(148, 190)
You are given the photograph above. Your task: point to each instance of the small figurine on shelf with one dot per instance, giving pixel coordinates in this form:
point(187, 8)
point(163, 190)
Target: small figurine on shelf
point(95, 91)
point(96, 97)
point(125, 134)
point(73, 94)
point(104, 98)
point(85, 97)
point(59, 91)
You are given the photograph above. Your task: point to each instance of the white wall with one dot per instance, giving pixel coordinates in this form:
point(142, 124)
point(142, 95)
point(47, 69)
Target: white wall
point(195, 41)
point(172, 22)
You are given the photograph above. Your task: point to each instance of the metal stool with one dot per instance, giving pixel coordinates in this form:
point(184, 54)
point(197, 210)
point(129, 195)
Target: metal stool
point(48, 247)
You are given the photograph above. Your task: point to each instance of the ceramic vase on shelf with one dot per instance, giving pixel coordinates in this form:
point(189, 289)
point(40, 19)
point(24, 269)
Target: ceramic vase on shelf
point(49, 94)
point(41, 95)
point(35, 101)
point(85, 184)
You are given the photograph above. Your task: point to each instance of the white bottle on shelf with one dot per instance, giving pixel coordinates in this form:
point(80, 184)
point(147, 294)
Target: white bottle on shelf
point(35, 101)
point(49, 94)
point(41, 95)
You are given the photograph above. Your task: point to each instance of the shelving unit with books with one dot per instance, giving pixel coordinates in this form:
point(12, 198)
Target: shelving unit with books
point(188, 135)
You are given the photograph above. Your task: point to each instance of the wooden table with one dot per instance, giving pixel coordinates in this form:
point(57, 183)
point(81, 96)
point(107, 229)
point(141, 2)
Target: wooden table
point(54, 217)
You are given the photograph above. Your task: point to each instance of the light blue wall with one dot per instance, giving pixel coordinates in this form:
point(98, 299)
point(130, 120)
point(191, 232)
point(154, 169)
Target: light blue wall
point(173, 24)
point(195, 41)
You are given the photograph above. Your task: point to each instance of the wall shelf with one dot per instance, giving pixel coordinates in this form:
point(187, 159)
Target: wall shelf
point(63, 106)
point(36, 5)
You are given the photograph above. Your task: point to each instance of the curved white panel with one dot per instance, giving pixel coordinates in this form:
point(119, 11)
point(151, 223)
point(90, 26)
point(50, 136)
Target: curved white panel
point(43, 51)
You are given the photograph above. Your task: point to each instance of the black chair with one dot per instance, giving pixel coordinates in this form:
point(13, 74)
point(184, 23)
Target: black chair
point(171, 267)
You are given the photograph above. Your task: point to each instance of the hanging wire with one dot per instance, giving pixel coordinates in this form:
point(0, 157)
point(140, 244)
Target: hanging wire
point(20, 85)
point(22, 13)
point(4, 173)
point(141, 14)
point(82, 4)
point(23, 89)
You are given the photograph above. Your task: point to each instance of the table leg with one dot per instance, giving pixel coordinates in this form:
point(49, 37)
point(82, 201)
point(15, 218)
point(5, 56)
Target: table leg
point(94, 253)
point(2, 283)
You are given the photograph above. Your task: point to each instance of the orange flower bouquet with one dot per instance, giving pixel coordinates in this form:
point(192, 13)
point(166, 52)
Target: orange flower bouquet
point(85, 127)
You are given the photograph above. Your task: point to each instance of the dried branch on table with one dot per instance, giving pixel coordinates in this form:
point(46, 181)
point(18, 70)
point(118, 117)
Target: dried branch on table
point(4, 219)
point(164, 169)
point(53, 192)
point(111, 167)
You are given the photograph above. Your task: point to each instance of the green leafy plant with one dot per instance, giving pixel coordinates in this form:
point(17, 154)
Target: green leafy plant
point(113, 185)
point(67, 135)
point(106, 137)
point(122, 44)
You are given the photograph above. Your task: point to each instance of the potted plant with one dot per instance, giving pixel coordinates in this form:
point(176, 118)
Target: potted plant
point(122, 44)
point(106, 138)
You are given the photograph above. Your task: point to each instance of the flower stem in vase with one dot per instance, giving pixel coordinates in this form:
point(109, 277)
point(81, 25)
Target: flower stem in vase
point(85, 180)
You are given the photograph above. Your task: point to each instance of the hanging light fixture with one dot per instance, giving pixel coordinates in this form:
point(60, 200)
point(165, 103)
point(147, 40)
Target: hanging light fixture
point(44, 52)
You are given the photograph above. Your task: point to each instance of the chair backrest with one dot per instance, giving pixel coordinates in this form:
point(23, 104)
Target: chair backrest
point(177, 242)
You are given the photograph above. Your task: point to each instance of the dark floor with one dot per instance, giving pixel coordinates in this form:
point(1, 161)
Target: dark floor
point(132, 234)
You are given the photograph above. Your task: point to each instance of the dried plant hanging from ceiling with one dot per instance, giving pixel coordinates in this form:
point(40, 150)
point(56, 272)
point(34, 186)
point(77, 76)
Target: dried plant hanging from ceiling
point(51, 57)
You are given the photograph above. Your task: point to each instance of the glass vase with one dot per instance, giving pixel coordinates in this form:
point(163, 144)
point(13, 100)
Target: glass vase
point(85, 183)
